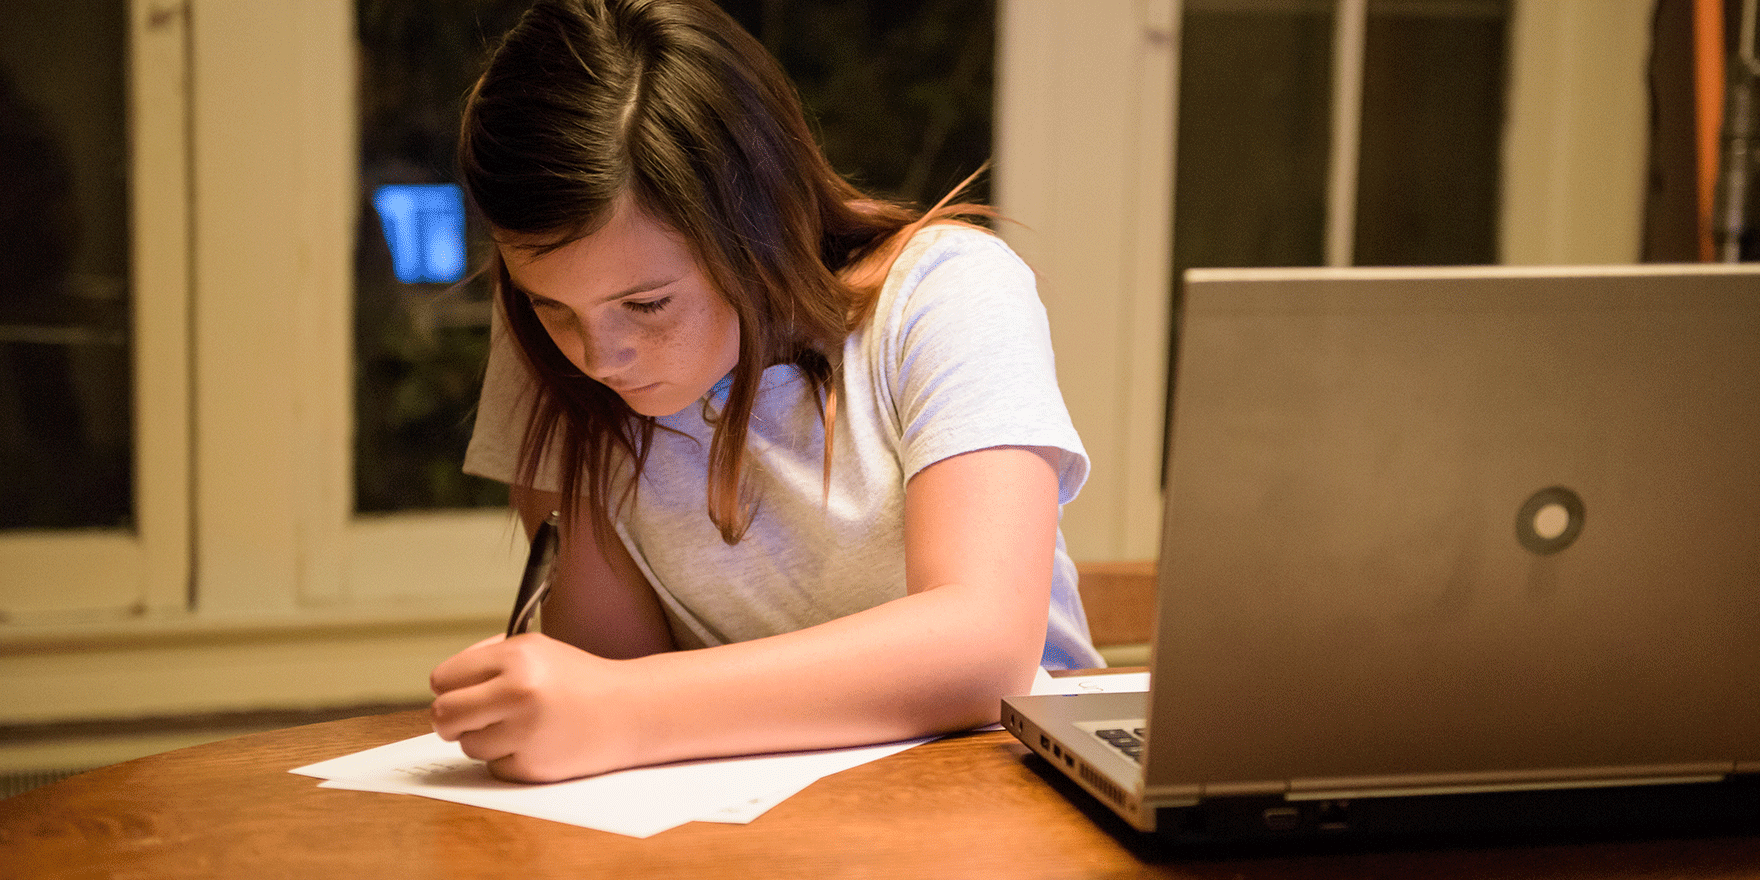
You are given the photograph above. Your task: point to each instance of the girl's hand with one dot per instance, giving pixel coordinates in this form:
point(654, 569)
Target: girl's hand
point(538, 710)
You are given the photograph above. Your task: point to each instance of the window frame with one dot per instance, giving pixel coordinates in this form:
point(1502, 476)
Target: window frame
point(72, 575)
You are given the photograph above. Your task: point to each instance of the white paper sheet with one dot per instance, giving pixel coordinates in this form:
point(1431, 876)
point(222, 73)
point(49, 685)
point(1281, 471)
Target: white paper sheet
point(1105, 682)
point(639, 802)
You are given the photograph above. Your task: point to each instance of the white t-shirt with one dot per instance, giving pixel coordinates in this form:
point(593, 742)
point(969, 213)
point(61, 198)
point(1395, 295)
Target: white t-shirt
point(956, 358)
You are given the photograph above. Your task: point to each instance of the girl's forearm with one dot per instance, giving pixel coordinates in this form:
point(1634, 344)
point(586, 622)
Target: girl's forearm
point(933, 662)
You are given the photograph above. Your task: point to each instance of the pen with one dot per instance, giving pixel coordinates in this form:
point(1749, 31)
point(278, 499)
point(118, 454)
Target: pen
point(535, 584)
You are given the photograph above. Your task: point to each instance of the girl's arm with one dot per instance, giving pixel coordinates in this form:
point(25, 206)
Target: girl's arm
point(980, 534)
point(599, 601)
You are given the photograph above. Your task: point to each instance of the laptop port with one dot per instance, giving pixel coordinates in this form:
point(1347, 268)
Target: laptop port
point(1332, 815)
point(1282, 818)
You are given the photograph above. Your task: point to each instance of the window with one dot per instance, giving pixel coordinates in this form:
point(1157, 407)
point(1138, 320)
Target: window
point(239, 574)
point(420, 335)
point(93, 411)
point(899, 91)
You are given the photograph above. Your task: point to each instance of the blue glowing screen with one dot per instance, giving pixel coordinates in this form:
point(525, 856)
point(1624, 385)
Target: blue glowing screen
point(424, 226)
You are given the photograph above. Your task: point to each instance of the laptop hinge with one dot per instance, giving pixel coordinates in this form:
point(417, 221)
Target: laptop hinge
point(1268, 788)
point(1484, 782)
point(1162, 796)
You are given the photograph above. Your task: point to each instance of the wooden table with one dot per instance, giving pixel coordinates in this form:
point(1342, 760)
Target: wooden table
point(969, 806)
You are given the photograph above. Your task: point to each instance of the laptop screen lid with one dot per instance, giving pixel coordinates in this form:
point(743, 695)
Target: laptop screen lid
point(1438, 530)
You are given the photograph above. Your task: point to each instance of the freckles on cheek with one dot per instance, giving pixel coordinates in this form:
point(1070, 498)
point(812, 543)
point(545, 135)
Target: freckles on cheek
point(659, 340)
point(679, 340)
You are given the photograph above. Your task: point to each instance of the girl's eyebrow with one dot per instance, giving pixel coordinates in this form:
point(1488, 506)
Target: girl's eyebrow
point(642, 287)
point(633, 290)
point(515, 285)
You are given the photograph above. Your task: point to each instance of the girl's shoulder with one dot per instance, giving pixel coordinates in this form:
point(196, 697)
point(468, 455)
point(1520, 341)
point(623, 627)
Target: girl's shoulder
point(950, 281)
point(951, 237)
point(957, 253)
point(884, 269)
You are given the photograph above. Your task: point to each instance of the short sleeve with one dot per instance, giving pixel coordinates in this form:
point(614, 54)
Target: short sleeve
point(503, 410)
point(965, 349)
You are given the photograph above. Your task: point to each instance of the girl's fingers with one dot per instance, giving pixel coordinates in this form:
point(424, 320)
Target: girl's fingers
point(491, 744)
point(459, 712)
point(472, 666)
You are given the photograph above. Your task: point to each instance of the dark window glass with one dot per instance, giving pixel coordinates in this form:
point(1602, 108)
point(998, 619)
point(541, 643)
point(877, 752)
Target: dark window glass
point(66, 421)
point(1433, 93)
point(899, 90)
point(1254, 133)
point(421, 333)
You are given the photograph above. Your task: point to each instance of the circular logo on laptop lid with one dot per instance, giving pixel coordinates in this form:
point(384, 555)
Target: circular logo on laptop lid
point(1550, 520)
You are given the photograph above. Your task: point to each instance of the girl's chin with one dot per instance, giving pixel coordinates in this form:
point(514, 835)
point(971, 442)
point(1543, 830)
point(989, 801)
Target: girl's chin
point(653, 401)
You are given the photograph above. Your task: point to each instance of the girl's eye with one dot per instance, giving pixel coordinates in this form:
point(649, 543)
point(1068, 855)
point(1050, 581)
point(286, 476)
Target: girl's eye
point(649, 307)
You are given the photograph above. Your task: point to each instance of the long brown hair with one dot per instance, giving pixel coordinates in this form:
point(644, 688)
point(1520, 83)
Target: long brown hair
point(672, 102)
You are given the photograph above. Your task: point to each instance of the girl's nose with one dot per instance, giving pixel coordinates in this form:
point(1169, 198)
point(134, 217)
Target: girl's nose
point(602, 355)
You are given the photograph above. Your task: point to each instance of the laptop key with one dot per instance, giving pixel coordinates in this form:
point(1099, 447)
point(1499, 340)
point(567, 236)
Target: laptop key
point(1130, 742)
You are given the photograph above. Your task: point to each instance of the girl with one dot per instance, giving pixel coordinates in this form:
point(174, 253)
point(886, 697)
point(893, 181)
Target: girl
point(807, 446)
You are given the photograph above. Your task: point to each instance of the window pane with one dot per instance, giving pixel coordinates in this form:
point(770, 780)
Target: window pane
point(65, 388)
point(1254, 131)
point(1433, 83)
point(421, 331)
point(900, 91)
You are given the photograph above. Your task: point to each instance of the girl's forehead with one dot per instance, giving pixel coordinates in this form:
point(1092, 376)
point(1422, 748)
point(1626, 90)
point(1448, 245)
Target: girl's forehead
point(624, 214)
point(629, 252)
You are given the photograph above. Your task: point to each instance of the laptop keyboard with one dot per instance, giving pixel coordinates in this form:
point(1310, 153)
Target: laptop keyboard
point(1126, 740)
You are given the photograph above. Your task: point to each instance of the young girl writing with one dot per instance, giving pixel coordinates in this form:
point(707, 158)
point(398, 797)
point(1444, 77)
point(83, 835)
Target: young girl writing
point(807, 446)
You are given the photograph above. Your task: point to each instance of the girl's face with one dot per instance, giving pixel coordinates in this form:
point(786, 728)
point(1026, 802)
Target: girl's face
point(628, 307)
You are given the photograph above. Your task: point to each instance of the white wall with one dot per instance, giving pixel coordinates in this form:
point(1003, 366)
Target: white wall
point(1085, 141)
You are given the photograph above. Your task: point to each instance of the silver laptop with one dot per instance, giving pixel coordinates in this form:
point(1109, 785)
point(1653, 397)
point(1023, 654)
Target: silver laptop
point(1445, 549)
